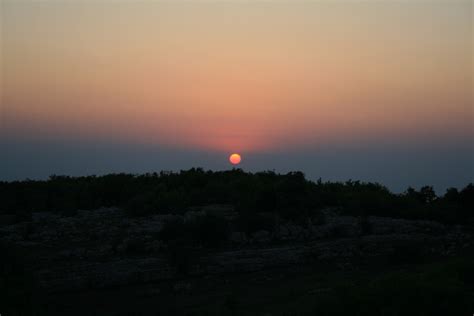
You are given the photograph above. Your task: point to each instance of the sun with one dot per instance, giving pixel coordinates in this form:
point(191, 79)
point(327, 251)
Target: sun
point(235, 159)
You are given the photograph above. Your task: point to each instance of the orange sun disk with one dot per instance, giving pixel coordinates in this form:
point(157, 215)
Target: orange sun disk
point(235, 159)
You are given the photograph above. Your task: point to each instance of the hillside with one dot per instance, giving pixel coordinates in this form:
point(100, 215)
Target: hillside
point(202, 242)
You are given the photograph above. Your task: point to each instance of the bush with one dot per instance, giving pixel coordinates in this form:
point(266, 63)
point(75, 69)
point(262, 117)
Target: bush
point(365, 226)
point(173, 230)
point(182, 255)
point(208, 231)
point(407, 252)
point(253, 222)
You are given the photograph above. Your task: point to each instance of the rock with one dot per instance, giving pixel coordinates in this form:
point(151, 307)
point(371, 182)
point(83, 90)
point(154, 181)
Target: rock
point(261, 236)
point(193, 215)
point(182, 287)
point(283, 232)
point(238, 238)
point(155, 246)
point(221, 210)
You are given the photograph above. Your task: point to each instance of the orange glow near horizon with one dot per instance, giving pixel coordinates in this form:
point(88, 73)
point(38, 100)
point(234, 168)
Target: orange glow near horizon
point(236, 76)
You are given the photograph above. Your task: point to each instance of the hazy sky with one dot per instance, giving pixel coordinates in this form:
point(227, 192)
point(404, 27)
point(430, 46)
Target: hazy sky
point(371, 90)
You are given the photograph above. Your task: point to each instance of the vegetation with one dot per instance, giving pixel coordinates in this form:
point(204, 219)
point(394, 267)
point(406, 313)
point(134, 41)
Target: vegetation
point(290, 195)
point(408, 279)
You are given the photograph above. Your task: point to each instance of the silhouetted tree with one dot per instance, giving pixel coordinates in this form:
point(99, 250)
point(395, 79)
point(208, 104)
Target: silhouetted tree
point(288, 196)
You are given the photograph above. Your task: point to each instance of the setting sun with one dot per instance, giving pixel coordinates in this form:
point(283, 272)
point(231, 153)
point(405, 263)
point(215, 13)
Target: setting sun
point(235, 159)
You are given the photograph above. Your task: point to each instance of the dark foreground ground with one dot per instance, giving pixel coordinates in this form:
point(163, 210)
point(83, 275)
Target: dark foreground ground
point(417, 289)
point(87, 265)
point(233, 243)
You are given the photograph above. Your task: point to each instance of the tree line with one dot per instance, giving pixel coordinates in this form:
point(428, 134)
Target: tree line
point(289, 195)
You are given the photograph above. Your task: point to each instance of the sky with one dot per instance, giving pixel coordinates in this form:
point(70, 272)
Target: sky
point(366, 90)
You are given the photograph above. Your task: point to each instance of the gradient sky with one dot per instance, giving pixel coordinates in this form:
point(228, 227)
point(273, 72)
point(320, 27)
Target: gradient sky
point(371, 90)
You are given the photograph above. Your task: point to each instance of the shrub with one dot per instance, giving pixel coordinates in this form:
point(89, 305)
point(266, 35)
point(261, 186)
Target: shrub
point(210, 230)
point(182, 255)
point(365, 226)
point(253, 222)
point(407, 252)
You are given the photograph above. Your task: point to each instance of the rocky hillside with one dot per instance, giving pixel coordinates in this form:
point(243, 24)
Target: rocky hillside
point(106, 247)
